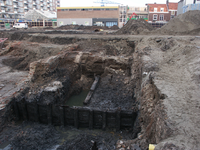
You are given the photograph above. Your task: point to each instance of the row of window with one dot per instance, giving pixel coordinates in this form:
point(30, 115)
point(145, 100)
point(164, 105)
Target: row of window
point(94, 9)
point(155, 17)
point(162, 10)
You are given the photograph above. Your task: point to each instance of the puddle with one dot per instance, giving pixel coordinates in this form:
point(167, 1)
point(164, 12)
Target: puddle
point(77, 100)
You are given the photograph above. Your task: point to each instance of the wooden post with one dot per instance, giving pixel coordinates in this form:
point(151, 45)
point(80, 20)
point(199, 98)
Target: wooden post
point(104, 121)
point(49, 114)
point(62, 116)
point(37, 112)
point(91, 119)
point(76, 117)
point(16, 110)
point(118, 120)
point(24, 109)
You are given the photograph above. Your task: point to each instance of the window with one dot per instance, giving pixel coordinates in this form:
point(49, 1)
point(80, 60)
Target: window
point(155, 17)
point(84, 9)
point(172, 12)
point(111, 9)
point(20, 4)
point(72, 9)
point(161, 9)
point(73, 22)
point(161, 17)
point(155, 9)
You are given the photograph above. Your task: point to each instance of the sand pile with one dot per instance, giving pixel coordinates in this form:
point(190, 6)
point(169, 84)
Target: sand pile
point(135, 27)
point(187, 23)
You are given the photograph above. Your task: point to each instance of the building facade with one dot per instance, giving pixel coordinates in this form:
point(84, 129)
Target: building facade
point(161, 12)
point(186, 5)
point(141, 12)
point(97, 16)
point(15, 9)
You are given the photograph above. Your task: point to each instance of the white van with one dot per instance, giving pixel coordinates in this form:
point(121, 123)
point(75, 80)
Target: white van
point(20, 25)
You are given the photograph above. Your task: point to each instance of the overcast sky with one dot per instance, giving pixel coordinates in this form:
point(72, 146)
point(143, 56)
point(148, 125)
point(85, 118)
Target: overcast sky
point(72, 3)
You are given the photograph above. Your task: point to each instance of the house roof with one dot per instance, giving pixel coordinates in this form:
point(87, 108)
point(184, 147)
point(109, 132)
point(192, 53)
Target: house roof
point(173, 6)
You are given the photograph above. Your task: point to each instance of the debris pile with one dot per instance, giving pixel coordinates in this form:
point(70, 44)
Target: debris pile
point(187, 23)
point(135, 27)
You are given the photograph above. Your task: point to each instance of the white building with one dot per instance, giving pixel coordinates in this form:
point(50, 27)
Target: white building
point(186, 5)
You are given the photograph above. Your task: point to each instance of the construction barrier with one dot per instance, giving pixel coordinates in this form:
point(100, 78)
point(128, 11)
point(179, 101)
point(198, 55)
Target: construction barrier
point(75, 116)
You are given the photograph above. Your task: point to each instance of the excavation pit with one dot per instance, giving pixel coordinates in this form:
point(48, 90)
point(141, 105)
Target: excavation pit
point(140, 77)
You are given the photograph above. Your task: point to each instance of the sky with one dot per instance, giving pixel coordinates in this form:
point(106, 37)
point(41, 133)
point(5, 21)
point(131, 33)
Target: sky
point(74, 3)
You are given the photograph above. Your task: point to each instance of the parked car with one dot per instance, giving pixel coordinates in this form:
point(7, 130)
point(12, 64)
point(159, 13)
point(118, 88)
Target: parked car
point(20, 25)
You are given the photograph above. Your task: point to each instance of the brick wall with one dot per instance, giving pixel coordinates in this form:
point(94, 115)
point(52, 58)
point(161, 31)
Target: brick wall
point(166, 16)
point(88, 14)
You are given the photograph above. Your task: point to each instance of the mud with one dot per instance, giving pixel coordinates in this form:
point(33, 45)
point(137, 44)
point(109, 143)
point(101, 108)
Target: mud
point(37, 136)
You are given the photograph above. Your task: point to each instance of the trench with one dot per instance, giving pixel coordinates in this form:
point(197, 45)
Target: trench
point(111, 106)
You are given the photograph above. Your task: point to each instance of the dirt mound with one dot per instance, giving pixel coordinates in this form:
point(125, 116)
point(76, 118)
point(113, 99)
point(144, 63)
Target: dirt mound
point(135, 27)
point(185, 23)
point(114, 27)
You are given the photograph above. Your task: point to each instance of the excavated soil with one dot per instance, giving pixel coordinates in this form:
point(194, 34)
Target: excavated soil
point(135, 27)
point(34, 136)
point(155, 75)
point(187, 23)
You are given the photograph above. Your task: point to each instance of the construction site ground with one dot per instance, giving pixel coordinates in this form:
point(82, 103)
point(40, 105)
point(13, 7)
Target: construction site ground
point(156, 75)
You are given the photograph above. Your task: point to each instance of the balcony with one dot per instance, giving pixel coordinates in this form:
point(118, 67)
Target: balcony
point(15, 6)
point(25, 7)
point(2, 10)
point(48, 2)
point(25, 2)
point(15, 12)
point(41, 5)
point(34, 3)
point(15, 1)
point(41, 0)
point(2, 4)
point(48, 6)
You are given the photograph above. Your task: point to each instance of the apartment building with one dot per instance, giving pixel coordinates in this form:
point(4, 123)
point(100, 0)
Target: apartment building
point(16, 9)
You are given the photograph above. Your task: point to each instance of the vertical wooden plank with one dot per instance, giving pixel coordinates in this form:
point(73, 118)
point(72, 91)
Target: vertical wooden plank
point(118, 120)
point(91, 119)
point(37, 117)
point(76, 118)
point(62, 117)
point(24, 109)
point(49, 114)
point(104, 121)
point(16, 110)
